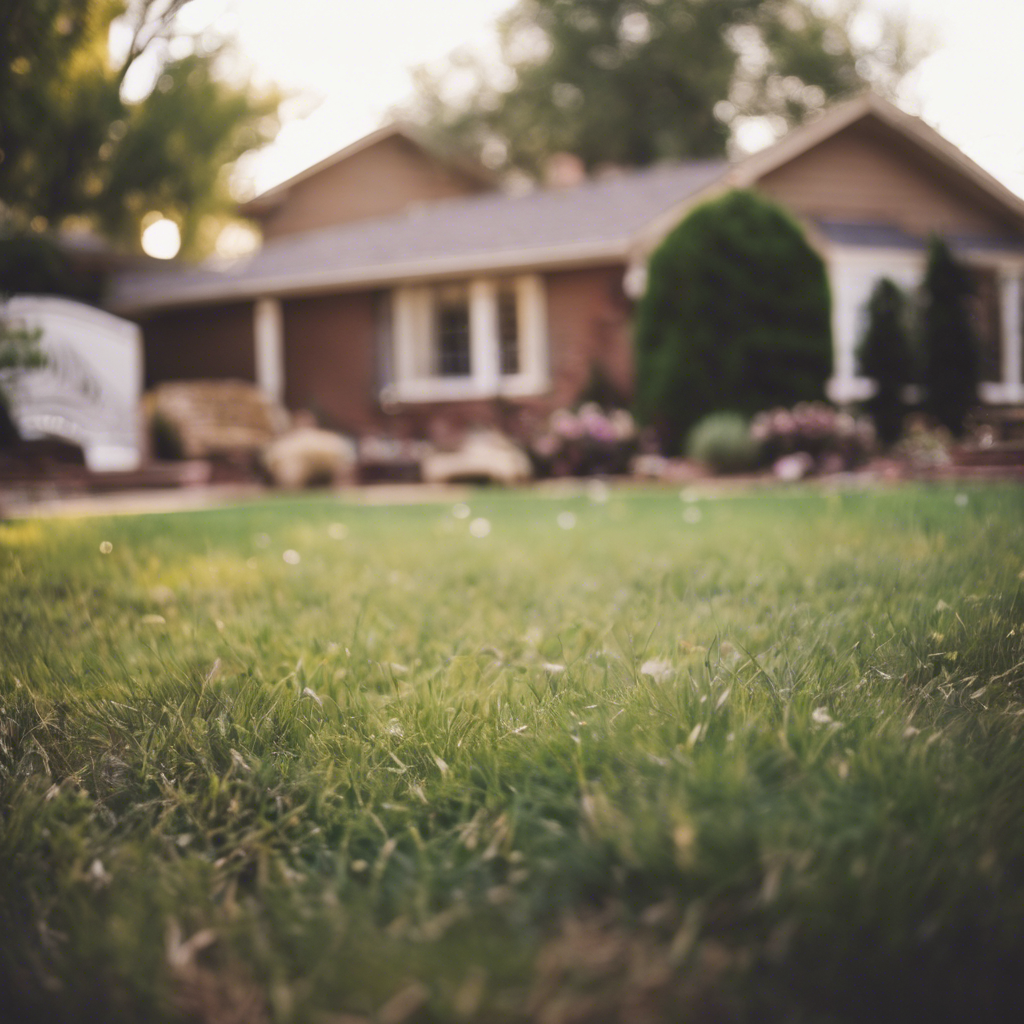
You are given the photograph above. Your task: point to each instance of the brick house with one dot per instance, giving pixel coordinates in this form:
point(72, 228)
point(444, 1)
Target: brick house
point(395, 288)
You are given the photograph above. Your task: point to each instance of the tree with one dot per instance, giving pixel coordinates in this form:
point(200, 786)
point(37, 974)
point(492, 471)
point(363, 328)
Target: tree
point(19, 351)
point(736, 316)
point(885, 356)
point(950, 347)
point(82, 144)
point(633, 81)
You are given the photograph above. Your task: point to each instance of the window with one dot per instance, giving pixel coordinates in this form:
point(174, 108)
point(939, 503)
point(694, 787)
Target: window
point(986, 321)
point(451, 331)
point(469, 339)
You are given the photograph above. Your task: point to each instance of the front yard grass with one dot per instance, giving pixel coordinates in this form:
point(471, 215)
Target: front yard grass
point(617, 758)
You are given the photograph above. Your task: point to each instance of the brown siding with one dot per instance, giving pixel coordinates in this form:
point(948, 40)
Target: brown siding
point(380, 180)
point(868, 173)
point(206, 342)
point(329, 346)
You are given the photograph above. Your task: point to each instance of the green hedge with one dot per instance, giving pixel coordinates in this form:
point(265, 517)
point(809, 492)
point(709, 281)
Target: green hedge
point(737, 315)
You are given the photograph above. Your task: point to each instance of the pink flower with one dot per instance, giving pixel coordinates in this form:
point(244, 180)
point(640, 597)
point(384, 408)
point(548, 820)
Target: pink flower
point(565, 424)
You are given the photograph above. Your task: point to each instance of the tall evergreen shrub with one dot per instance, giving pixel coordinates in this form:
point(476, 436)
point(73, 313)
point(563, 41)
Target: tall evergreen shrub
point(736, 316)
point(950, 347)
point(885, 357)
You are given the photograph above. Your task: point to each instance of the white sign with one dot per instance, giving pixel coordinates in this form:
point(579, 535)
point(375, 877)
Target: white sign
point(88, 391)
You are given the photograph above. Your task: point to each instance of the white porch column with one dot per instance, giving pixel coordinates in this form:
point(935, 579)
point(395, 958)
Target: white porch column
point(842, 386)
point(531, 313)
point(1010, 309)
point(268, 331)
point(485, 356)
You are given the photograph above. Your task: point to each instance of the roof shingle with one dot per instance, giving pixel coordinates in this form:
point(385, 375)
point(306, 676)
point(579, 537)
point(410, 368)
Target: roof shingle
point(553, 225)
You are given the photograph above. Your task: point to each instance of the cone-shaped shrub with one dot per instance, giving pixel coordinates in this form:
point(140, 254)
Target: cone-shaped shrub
point(736, 316)
point(885, 357)
point(950, 348)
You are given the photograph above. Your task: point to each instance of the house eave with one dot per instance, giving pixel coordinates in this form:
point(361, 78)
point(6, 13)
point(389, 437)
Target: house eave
point(564, 257)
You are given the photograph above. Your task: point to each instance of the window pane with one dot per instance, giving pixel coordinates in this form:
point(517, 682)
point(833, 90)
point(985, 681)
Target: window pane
point(451, 331)
point(508, 329)
point(986, 317)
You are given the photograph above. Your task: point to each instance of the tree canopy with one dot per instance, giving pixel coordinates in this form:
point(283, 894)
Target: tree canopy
point(633, 81)
point(81, 144)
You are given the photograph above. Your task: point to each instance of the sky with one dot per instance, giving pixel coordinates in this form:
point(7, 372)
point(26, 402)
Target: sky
point(346, 63)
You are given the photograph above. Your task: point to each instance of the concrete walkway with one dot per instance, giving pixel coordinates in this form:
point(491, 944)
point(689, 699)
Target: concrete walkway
point(190, 499)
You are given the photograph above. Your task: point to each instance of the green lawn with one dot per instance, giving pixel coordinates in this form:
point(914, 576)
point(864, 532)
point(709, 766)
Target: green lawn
point(747, 758)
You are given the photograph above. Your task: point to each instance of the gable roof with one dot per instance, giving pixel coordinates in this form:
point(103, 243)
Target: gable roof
point(868, 104)
point(618, 218)
point(273, 197)
point(747, 172)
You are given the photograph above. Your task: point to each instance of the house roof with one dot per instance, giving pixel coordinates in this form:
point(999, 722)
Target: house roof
point(611, 219)
point(273, 197)
point(596, 220)
point(858, 235)
point(867, 103)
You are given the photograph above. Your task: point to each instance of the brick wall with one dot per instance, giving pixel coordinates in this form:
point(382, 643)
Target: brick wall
point(202, 343)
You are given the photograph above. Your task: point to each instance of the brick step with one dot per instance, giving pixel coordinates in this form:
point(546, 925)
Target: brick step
point(999, 454)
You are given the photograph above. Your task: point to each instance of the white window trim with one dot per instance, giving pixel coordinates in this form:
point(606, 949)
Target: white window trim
point(413, 380)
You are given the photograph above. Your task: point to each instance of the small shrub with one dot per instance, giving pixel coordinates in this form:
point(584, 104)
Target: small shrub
point(834, 440)
point(950, 348)
point(166, 438)
point(19, 351)
point(736, 315)
point(723, 443)
point(591, 441)
point(925, 449)
point(885, 357)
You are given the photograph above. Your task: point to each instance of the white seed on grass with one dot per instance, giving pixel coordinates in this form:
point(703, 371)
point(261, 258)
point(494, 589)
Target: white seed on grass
point(566, 520)
point(480, 528)
point(961, 501)
point(262, 540)
point(292, 557)
point(106, 547)
point(337, 531)
point(688, 494)
point(359, 866)
point(394, 728)
point(460, 510)
point(307, 692)
point(553, 667)
point(692, 515)
point(154, 620)
point(657, 669)
point(597, 491)
point(821, 716)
